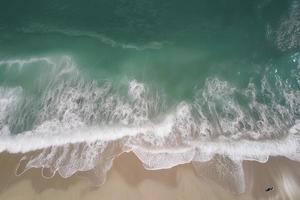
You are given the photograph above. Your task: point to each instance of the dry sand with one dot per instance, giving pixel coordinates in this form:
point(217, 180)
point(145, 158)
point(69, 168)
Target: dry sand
point(129, 180)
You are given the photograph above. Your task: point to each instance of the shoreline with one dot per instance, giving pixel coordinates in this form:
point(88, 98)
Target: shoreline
point(129, 180)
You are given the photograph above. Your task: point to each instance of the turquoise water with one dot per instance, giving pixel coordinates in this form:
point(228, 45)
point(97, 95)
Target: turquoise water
point(173, 81)
point(174, 44)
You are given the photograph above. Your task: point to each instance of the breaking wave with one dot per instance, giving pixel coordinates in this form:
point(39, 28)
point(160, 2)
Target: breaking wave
point(286, 36)
point(71, 123)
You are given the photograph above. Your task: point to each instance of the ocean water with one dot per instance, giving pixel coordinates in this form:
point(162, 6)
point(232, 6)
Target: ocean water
point(173, 82)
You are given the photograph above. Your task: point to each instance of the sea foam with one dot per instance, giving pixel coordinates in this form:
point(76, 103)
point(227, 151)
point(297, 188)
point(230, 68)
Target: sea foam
point(78, 124)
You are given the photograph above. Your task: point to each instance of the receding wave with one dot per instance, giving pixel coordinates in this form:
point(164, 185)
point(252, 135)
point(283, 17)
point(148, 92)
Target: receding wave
point(72, 123)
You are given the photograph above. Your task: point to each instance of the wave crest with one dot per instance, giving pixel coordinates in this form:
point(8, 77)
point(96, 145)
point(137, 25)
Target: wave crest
point(77, 124)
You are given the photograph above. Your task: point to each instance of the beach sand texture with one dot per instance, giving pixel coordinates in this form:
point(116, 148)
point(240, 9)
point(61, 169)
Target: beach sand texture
point(129, 180)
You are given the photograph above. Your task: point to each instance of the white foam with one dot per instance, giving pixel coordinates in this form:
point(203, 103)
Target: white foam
point(81, 124)
point(56, 134)
point(9, 98)
point(97, 36)
point(287, 35)
point(22, 62)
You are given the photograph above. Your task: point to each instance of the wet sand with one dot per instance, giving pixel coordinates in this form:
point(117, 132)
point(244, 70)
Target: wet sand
point(129, 180)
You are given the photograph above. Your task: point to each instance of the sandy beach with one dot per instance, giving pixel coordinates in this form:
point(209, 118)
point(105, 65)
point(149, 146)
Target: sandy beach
point(129, 180)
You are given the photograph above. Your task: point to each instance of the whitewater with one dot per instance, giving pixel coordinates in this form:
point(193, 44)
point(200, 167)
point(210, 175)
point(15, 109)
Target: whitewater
point(66, 122)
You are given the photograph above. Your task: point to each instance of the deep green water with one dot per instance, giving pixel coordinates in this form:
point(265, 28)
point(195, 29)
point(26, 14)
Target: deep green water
point(180, 43)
